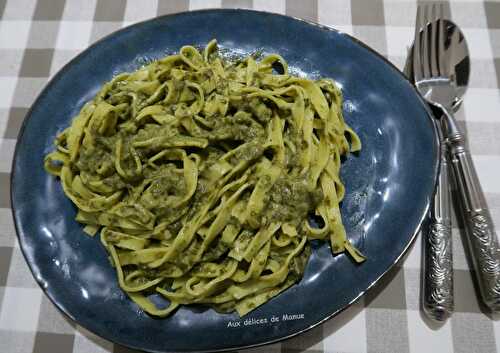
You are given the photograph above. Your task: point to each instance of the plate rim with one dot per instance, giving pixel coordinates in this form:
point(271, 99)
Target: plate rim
point(46, 88)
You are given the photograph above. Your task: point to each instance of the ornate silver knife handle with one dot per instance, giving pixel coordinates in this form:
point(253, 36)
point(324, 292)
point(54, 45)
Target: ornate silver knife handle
point(482, 239)
point(438, 262)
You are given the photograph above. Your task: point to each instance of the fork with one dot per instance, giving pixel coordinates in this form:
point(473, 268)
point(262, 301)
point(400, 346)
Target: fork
point(437, 284)
point(435, 78)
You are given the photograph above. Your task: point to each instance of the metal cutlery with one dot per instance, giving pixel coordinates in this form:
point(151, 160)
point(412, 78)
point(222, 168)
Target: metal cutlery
point(437, 285)
point(440, 56)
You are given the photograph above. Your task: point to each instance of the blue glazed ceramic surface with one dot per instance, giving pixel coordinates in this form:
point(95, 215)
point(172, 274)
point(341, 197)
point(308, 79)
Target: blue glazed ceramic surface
point(389, 183)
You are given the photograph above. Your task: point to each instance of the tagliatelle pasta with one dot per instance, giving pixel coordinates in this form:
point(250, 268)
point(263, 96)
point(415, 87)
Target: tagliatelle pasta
point(201, 174)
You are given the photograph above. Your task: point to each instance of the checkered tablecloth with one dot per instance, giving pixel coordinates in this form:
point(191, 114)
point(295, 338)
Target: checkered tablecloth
point(38, 37)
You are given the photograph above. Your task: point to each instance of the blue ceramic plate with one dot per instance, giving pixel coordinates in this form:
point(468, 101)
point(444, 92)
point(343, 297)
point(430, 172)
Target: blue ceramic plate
point(389, 184)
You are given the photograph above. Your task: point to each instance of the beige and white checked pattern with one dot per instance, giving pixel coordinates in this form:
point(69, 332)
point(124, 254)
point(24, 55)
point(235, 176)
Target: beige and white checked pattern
point(38, 37)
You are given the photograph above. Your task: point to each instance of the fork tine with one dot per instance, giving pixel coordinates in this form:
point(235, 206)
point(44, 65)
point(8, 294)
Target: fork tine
point(417, 65)
point(445, 11)
point(419, 20)
point(440, 11)
point(452, 54)
point(434, 33)
point(425, 45)
point(443, 68)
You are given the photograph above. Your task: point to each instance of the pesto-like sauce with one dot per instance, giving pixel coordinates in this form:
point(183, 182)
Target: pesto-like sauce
point(200, 174)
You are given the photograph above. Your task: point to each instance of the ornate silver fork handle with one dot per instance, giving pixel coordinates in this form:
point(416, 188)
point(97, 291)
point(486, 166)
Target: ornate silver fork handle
point(482, 239)
point(438, 284)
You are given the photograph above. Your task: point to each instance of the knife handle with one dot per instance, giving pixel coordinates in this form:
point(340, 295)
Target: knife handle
point(481, 235)
point(438, 300)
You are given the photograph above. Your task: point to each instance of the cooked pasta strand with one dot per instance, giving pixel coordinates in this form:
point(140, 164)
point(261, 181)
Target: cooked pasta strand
point(201, 173)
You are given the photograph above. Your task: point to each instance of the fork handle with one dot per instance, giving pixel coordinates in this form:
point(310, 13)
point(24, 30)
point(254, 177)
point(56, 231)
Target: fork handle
point(481, 235)
point(438, 262)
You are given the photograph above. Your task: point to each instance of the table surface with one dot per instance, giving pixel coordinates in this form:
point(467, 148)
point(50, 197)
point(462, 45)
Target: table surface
point(38, 37)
